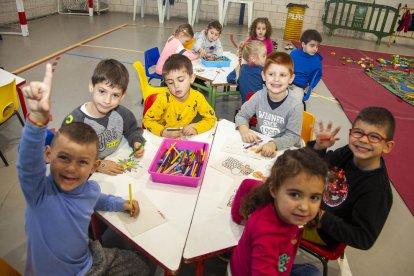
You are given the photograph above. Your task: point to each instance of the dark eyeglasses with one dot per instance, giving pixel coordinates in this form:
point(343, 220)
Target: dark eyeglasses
point(373, 137)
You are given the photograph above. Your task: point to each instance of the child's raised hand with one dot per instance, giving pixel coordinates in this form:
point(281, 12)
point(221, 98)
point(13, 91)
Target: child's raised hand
point(37, 95)
point(110, 167)
point(140, 152)
point(325, 137)
point(189, 130)
point(268, 149)
point(134, 210)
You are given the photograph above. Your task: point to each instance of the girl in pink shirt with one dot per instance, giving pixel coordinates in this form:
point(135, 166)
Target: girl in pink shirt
point(273, 212)
point(261, 30)
point(174, 45)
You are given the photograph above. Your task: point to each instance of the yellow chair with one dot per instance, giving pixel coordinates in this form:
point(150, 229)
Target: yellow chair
point(146, 88)
point(9, 106)
point(308, 122)
point(7, 270)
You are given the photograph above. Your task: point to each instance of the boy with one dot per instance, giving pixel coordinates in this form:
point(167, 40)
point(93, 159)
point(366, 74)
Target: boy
point(110, 120)
point(59, 206)
point(355, 210)
point(208, 42)
point(172, 113)
point(307, 63)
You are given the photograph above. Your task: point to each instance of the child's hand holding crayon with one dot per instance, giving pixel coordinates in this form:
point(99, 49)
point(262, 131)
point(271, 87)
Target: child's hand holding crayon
point(138, 149)
point(175, 133)
point(132, 209)
point(37, 95)
point(268, 149)
point(325, 137)
point(189, 130)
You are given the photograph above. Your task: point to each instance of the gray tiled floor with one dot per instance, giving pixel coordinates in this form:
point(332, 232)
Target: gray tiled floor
point(391, 255)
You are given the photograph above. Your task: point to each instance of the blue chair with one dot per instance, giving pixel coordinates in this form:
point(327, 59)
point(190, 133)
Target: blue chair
point(151, 58)
point(312, 85)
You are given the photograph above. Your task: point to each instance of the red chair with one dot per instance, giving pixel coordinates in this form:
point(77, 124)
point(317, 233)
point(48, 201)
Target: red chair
point(148, 103)
point(323, 253)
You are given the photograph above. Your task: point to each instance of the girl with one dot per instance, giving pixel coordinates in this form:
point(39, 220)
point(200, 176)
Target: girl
point(208, 42)
point(261, 30)
point(289, 198)
point(174, 45)
point(279, 114)
point(248, 75)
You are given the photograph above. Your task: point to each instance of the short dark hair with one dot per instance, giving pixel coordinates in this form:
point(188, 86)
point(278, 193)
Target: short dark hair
point(215, 25)
point(80, 133)
point(177, 62)
point(264, 20)
point(309, 35)
point(379, 117)
point(113, 72)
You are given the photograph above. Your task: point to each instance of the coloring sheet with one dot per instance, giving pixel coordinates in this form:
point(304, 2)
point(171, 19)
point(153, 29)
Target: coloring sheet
point(148, 218)
point(236, 146)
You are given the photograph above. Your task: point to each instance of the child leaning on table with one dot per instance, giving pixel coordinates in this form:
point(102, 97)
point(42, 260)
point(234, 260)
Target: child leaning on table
point(248, 74)
point(208, 41)
point(355, 210)
point(272, 212)
point(175, 45)
point(308, 62)
point(59, 206)
point(104, 113)
point(278, 113)
point(178, 108)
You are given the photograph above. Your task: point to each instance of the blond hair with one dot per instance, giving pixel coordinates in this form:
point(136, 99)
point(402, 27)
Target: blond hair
point(246, 50)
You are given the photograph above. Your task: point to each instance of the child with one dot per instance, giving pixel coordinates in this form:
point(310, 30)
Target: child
point(308, 62)
point(261, 30)
point(290, 197)
point(279, 115)
point(356, 211)
point(177, 108)
point(110, 120)
point(248, 75)
point(208, 42)
point(174, 45)
point(59, 206)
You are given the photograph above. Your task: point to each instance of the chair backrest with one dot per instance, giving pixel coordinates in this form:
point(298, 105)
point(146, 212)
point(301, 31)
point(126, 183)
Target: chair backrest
point(323, 251)
point(147, 104)
point(151, 57)
point(253, 120)
point(308, 122)
point(8, 100)
point(146, 88)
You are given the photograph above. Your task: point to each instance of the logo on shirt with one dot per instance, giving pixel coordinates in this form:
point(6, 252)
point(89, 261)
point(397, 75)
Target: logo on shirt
point(271, 123)
point(283, 260)
point(336, 190)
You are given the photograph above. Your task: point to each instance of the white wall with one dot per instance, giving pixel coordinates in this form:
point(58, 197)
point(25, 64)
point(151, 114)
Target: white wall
point(33, 9)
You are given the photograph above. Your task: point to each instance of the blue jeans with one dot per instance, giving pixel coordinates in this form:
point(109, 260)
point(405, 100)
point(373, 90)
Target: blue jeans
point(305, 270)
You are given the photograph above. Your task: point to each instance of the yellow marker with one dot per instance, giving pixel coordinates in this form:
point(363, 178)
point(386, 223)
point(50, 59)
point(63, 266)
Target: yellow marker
point(130, 195)
point(175, 159)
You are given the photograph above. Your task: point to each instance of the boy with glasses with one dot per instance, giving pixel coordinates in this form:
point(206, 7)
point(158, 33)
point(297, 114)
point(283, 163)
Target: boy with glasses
point(356, 204)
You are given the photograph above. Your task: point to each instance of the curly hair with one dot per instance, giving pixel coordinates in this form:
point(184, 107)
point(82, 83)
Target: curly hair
point(264, 20)
point(288, 165)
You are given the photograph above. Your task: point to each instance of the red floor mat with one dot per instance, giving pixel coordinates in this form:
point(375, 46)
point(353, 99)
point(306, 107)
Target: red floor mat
point(355, 90)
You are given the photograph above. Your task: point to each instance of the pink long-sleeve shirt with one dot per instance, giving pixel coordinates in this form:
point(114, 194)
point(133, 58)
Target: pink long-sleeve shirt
point(173, 46)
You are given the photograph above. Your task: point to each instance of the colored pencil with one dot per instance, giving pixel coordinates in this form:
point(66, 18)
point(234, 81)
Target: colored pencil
point(130, 194)
point(137, 149)
point(328, 139)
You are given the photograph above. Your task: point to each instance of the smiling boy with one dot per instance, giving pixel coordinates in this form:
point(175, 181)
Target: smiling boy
point(104, 113)
point(179, 107)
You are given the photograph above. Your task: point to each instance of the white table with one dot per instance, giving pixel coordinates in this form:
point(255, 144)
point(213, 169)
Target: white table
point(164, 243)
point(7, 77)
point(212, 230)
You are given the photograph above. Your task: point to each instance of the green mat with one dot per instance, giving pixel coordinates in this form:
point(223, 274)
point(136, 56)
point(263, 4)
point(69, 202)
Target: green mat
point(400, 83)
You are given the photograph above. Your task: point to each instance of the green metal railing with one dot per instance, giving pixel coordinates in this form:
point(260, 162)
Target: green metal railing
point(361, 17)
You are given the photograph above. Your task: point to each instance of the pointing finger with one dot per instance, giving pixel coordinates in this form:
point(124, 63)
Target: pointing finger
point(47, 80)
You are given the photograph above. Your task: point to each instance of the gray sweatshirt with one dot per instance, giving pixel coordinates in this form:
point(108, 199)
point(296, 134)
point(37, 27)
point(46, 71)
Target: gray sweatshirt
point(283, 123)
point(211, 47)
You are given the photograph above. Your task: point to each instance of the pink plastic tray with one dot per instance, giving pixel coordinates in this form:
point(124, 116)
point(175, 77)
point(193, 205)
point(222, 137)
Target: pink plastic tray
point(178, 179)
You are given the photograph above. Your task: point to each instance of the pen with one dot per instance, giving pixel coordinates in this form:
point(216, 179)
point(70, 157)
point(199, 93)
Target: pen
point(328, 139)
point(174, 129)
point(130, 195)
point(137, 149)
point(253, 144)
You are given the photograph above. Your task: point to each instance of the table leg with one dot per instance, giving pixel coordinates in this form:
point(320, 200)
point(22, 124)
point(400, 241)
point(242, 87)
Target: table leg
point(200, 268)
point(22, 102)
point(213, 96)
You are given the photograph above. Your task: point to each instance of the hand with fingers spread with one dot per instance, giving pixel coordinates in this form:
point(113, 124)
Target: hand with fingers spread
point(268, 149)
point(37, 95)
point(325, 137)
point(247, 135)
point(110, 167)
